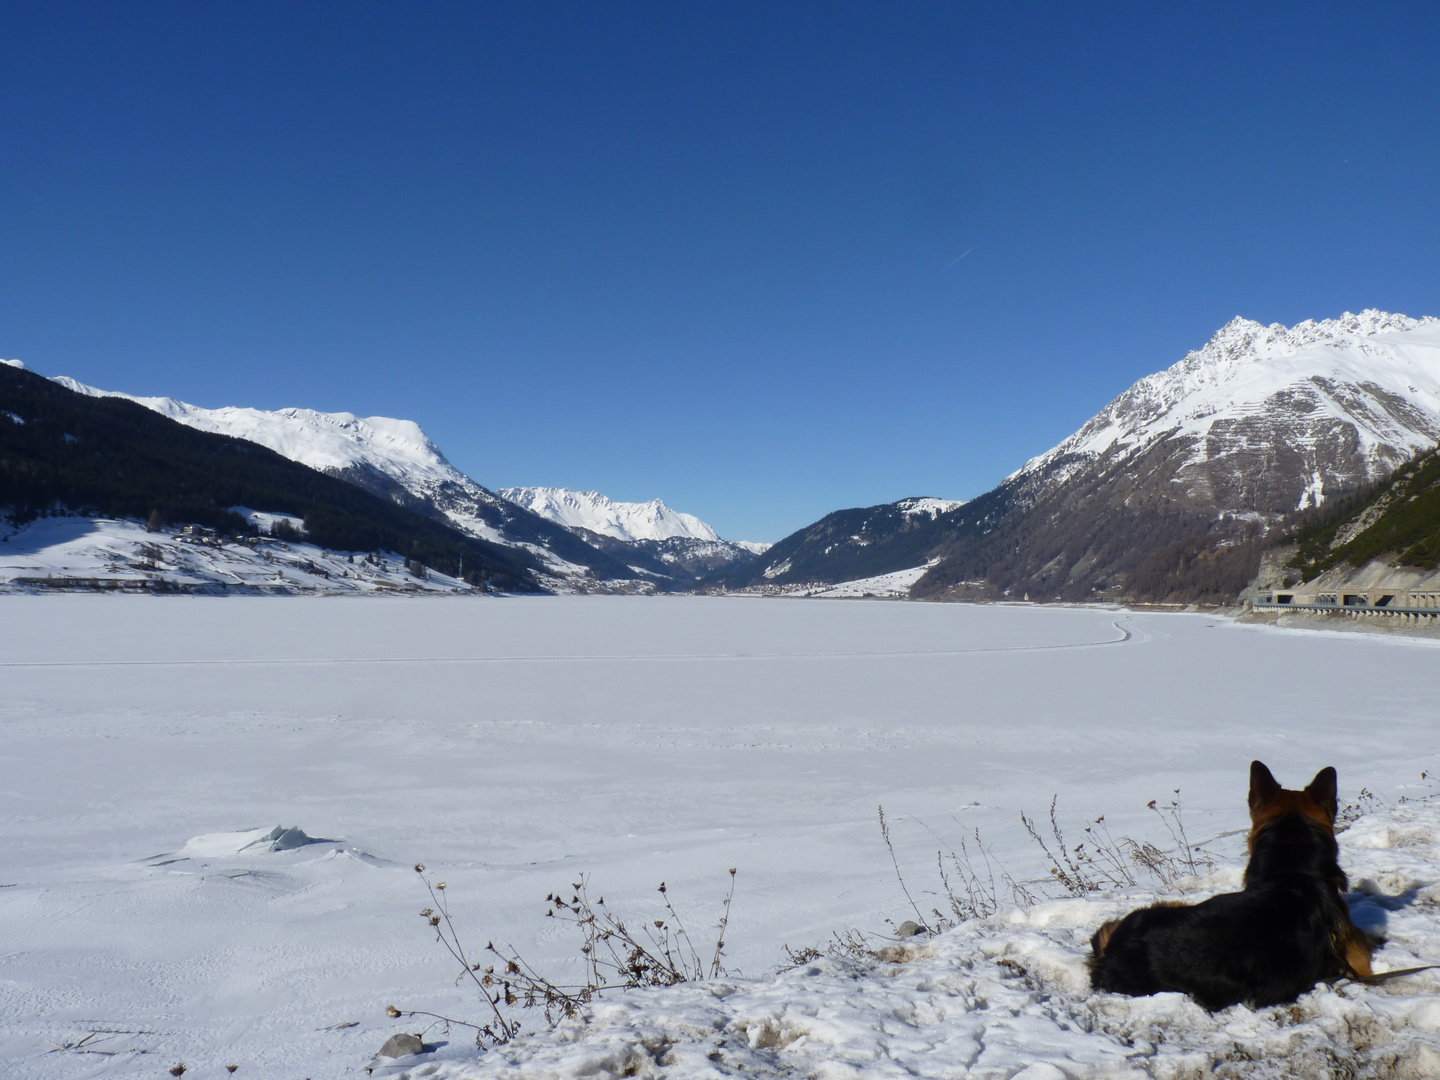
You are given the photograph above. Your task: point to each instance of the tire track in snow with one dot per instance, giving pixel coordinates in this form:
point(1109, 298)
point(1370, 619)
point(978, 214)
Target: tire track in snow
point(588, 658)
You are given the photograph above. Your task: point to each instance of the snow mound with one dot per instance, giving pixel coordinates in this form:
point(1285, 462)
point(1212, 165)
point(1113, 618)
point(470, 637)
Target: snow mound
point(226, 851)
point(1008, 997)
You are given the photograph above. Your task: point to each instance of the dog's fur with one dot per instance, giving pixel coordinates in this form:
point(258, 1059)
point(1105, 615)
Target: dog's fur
point(1289, 929)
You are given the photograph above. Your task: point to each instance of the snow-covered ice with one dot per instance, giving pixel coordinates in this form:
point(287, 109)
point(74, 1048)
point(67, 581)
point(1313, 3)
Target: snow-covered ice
point(158, 751)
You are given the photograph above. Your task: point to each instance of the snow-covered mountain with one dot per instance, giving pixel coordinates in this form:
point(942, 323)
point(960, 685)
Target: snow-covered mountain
point(1260, 422)
point(394, 459)
point(1269, 418)
point(108, 555)
point(593, 512)
point(652, 538)
point(578, 536)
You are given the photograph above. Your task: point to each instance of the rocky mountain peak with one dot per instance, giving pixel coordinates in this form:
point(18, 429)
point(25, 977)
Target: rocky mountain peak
point(599, 514)
point(1341, 400)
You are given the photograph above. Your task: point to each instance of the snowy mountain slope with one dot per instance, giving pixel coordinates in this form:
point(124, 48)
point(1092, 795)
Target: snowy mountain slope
point(649, 536)
point(394, 459)
point(106, 458)
point(329, 442)
point(105, 555)
point(593, 512)
point(1259, 423)
point(1331, 404)
point(853, 545)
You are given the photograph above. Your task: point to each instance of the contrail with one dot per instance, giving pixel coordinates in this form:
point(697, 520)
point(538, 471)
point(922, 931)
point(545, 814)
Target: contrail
point(955, 260)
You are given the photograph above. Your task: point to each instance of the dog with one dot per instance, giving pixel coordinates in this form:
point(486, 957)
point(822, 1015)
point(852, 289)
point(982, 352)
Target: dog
point(1286, 931)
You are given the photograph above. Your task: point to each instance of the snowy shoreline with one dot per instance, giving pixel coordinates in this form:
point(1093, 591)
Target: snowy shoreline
point(1008, 996)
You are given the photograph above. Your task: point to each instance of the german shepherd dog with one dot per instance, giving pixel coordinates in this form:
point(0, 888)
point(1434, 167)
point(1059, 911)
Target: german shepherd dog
point(1288, 929)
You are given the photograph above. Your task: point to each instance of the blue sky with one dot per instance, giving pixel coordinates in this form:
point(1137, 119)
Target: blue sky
point(706, 252)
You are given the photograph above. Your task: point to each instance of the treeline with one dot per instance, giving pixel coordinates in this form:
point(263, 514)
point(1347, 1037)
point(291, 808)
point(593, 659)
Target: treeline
point(60, 450)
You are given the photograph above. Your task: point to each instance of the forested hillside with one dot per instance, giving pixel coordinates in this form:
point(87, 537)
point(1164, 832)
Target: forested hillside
point(114, 458)
point(1399, 516)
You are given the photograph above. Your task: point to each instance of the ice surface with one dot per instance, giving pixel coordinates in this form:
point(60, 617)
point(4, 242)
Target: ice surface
point(152, 745)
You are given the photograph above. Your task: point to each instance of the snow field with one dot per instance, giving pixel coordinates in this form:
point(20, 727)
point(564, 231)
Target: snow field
point(107, 553)
point(895, 585)
point(511, 745)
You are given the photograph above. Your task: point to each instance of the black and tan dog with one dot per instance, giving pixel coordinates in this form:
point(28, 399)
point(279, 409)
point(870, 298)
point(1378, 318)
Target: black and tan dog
point(1288, 930)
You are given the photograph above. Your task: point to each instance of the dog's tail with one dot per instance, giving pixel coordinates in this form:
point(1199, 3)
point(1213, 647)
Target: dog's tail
point(1352, 947)
point(1386, 976)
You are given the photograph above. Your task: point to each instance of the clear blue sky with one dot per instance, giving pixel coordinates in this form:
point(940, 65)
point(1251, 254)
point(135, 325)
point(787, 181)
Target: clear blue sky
point(705, 252)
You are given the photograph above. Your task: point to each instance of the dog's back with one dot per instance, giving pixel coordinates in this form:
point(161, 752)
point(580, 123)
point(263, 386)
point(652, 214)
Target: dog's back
point(1287, 930)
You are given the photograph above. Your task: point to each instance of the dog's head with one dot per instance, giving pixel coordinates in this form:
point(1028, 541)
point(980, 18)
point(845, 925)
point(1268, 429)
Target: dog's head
point(1269, 801)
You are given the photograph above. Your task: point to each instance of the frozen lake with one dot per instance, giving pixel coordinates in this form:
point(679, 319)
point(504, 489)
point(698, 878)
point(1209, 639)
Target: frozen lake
point(511, 745)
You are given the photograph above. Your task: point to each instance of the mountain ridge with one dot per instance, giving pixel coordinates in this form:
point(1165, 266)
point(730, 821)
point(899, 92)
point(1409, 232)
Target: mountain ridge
point(396, 460)
point(652, 538)
point(597, 513)
point(1245, 365)
point(106, 457)
point(576, 536)
point(1256, 424)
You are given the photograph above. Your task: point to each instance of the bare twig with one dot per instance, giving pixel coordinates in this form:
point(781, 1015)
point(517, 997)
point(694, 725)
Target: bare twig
point(501, 1030)
point(716, 970)
point(615, 958)
point(885, 833)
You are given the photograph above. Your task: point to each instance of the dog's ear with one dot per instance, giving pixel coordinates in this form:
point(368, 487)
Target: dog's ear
point(1263, 786)
point(1322, 790)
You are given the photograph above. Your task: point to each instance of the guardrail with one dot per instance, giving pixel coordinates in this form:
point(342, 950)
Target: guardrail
point(1347, 609)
